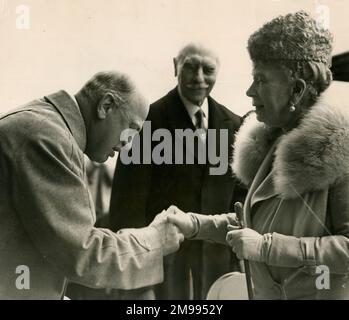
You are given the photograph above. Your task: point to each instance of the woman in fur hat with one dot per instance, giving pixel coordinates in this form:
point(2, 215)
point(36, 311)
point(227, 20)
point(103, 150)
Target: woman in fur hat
point(293, 154)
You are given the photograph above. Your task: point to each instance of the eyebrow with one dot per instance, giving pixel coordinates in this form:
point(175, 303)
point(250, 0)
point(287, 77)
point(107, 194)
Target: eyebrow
point(209, 64)
point(203, 64)
point(190, 61)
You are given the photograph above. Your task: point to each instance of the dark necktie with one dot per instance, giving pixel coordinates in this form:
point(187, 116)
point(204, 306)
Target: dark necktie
point(199, 116)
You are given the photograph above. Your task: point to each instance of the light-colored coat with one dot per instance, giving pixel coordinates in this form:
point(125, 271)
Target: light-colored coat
point(299, 192)
point(47, 214)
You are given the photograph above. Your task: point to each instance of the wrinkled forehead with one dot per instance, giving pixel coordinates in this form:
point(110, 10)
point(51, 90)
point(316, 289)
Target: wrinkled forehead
point(199, 56)
point(197, 59)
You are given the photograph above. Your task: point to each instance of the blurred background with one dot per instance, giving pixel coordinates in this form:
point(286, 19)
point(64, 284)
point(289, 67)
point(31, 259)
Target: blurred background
point(65, 42)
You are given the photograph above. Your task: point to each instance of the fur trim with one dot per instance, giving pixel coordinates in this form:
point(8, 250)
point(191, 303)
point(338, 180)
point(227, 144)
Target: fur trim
point(311, 157)
point(252, 143)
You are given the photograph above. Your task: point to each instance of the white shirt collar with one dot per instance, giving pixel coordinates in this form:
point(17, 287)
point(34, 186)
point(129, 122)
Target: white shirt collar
point(193, 108)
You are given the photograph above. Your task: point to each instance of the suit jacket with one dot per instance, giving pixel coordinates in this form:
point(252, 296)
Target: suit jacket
point(142, 191)
point(47, 214)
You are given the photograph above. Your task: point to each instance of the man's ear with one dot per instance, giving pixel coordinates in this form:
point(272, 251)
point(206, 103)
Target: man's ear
point(175, 64)
point(105, 105)
point(299, 89)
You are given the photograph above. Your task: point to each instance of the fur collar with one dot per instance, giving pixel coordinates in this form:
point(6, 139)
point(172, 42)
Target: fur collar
point(311, 157)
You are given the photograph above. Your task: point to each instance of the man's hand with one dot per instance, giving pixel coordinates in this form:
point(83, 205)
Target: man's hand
point(246, 243)
point(186, 222)
point(170, 235)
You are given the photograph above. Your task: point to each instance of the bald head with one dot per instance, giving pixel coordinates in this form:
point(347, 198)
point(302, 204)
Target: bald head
point(137, 106)
point(196, 48)
point(196, 68)
point(110, 103)
point(116, 83)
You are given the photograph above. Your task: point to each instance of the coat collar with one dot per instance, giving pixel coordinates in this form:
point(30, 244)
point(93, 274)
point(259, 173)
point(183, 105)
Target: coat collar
point(178, 116)
point(71, 114)
point(192, 108)
point(311, 157)
point(216, 115)
point(261, 187)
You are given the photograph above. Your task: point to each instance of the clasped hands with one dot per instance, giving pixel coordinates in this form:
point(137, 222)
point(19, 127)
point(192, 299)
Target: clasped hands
point(175, 225)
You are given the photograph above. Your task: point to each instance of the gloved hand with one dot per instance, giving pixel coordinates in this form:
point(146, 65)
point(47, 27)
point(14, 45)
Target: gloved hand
point(246, 243)
point(186, 222)
point(171, 237)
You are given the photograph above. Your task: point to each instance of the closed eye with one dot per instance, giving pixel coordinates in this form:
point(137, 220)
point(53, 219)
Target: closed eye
point(136, 127)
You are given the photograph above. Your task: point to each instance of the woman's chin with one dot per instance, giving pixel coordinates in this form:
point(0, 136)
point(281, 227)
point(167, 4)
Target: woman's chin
point(259, 117)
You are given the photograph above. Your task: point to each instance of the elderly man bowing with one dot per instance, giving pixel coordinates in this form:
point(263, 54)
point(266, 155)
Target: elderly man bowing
point(46, 233)
point(141, 190)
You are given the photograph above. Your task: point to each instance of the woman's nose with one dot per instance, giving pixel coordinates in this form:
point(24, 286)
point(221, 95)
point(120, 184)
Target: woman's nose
point(250, 91)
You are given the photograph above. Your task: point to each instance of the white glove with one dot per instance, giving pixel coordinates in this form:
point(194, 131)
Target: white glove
point(246, 243)
point(171, 237)
point(186, 222)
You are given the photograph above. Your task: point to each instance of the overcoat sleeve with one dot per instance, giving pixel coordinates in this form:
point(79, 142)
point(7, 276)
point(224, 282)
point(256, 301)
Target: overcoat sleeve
point(213, 227)
point(52, 200)
point(331, 250)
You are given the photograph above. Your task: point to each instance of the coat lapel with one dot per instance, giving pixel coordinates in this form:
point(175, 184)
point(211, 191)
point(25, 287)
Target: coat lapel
point(267, 192)
point(178, 117)
point(216, 116)
point(219, 120)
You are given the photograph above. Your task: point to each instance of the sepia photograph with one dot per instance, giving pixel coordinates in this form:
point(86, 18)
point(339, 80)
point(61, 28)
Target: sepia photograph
point(193, 151)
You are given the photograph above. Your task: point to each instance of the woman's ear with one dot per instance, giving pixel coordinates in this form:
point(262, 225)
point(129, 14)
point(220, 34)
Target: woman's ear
point(299, 89)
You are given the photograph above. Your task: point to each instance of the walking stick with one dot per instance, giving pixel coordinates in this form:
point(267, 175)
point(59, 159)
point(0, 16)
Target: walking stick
point(238, 206)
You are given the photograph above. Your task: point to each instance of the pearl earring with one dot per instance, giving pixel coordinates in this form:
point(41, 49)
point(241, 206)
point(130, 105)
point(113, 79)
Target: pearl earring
point(292, 108)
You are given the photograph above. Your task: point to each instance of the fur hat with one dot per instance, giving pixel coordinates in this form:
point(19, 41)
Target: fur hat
point(292, 37)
